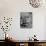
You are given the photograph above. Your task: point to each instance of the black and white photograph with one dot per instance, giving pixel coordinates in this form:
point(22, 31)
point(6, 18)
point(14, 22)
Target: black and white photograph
point(26, 20)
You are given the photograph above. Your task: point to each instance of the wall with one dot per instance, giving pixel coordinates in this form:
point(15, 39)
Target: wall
point(12, 8)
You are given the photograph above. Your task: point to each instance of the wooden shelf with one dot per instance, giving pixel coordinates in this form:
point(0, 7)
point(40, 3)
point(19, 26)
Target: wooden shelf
point(24, 42)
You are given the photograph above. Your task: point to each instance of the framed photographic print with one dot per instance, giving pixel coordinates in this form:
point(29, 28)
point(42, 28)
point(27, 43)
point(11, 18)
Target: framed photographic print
point(26, 20)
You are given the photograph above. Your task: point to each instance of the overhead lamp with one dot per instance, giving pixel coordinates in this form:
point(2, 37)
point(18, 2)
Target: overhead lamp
point(36, 3)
